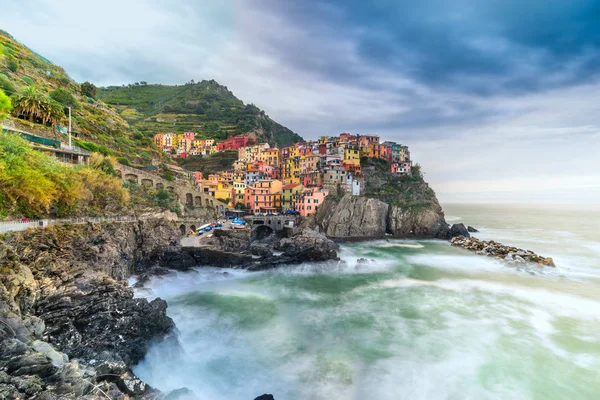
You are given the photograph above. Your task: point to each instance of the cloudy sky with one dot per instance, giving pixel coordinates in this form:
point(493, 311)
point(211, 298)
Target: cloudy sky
point(499, 100)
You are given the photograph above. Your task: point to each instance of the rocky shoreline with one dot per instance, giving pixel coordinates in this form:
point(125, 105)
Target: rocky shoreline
point(70, 327)
point(509, 254)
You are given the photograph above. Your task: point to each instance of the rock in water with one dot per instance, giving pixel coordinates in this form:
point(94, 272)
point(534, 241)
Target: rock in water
point(471, 229)
point(265, 397)
point(509, 254)
point(459, 230)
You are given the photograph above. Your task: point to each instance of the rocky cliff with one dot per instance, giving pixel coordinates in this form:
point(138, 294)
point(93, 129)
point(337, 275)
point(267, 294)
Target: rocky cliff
point(400, 206)
point(365, 217)
point(69, 325)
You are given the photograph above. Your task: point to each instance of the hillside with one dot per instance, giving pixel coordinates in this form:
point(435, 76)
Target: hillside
point(214, 163)
point(206, 107)
point(96, 126)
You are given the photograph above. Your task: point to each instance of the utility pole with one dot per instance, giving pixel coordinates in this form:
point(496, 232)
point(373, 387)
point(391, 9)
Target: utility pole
point(70, 127)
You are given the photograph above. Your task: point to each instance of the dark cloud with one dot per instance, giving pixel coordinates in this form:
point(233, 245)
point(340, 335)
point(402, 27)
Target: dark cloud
point(479, 47)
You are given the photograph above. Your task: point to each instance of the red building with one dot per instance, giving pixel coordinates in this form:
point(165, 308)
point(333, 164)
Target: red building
point(233, 143)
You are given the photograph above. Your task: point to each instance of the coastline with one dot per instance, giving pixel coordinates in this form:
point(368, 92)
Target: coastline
point(71, 281)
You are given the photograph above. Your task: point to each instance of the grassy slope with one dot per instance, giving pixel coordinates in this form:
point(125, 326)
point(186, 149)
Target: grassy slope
point(93, 121)
point(205, 107)
point(208, 165)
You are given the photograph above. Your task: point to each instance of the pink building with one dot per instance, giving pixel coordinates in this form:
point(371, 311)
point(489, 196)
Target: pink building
point(188, 135)
point(309, 200)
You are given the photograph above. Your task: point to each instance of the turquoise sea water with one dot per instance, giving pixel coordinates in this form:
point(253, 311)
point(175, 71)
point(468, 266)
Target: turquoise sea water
point(421, 320)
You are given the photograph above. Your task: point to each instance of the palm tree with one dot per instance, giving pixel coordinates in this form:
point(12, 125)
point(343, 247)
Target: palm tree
point(32, 103)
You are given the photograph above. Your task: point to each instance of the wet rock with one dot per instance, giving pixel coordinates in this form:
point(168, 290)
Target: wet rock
point(261, 250)
point(471, 229)
point(265, 397)
point(309, 245)
point(509, 254)
point(63, 296)
point(459, 230)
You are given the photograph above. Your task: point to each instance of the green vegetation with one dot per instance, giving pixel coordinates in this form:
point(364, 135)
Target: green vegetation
point(164, 199)
point(64, 97)
point(34, 105)
point(216, 162)
point(5, 105)
point(93, 121)
point(35, 184)
point(206, 107)
point(89, 89)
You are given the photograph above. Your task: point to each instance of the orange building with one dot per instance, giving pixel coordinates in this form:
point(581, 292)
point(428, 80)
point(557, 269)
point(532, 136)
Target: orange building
point(264, 196)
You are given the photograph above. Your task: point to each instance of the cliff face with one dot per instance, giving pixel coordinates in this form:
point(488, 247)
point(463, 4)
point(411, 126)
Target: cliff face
point(364, 217)
point(400, 206)
point(69, 325)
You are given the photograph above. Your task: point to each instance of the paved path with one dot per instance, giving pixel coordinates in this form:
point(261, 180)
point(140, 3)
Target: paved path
point(13, 226)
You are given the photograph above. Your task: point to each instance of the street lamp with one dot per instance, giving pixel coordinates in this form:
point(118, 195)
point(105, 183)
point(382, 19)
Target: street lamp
point(70, 147)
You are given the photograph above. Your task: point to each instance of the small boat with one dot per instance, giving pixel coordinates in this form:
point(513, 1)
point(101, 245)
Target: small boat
point(203, 227)
point(239, 226)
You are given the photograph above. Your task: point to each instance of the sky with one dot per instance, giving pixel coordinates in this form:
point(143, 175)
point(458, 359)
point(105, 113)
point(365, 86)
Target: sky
point(498, 100)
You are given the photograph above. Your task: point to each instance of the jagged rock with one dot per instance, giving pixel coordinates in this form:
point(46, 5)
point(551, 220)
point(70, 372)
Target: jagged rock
point(309, 245)
point(459, 230)
point(364, 217)
point(260, 250)
point(353, 216)
point(265, 397)
point(471, 229)
point(509, 254)
point(60, 292)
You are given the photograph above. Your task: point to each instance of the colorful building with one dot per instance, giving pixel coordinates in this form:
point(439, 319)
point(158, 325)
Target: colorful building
point(309, 200)
point(288, 196)
point(264, 196)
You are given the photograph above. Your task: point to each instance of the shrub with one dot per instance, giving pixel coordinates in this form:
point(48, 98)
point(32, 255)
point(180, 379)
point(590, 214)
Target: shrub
point(28, 80)
point(89, 89)
point(5, 105)
point(163, 199)
point(169, 177)
point(6, 85)
point(33, 183)
point(13, 64)
point(64, 97)
point(124, 161)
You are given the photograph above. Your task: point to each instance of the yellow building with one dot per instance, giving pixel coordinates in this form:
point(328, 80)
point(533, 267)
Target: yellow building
point(291, 170)
point(288, 196)
point(223, 192)
point(351, 155)
point(269, 156)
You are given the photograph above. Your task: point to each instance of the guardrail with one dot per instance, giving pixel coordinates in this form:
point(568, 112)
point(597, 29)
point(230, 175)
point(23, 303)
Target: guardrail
point(13, 226)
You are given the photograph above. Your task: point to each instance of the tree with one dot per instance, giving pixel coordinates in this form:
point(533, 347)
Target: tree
point(64, 97)
point(33, 104)
point(89, 89)
point(5, 105)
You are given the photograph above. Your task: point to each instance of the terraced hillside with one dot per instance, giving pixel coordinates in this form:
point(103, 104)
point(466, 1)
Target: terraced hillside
point(96, 125)
point(206, 107)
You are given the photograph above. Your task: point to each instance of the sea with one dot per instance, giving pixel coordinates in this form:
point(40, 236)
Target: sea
point(419, 319)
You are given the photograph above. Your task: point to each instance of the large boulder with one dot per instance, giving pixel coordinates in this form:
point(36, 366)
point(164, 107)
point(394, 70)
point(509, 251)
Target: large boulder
point(471, 229)
point(309, 245)
point(459, 230)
